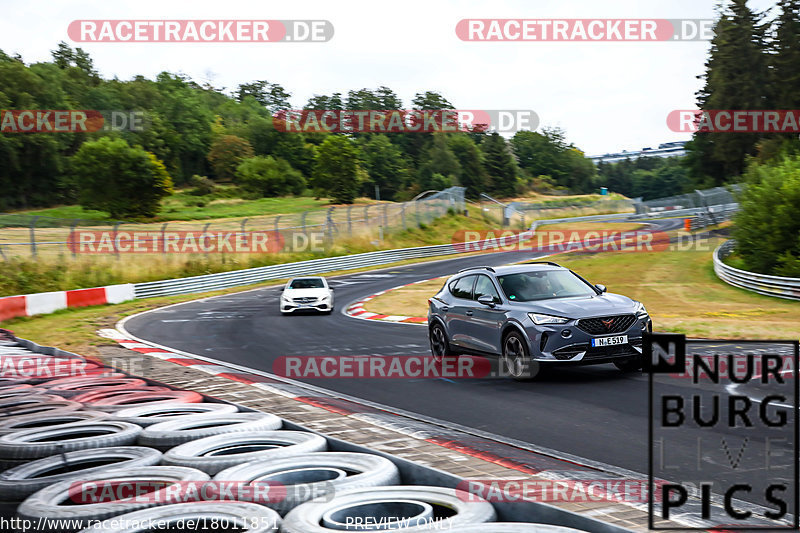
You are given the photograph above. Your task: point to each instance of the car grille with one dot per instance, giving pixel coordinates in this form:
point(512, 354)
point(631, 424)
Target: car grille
point(603, 325)
point(304, 300)
point(568, 352)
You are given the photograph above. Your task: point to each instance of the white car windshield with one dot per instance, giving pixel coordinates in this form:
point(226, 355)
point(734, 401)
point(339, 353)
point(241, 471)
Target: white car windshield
point(307, 283)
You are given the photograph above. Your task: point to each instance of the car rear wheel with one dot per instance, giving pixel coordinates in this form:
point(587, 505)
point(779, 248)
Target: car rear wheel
point(440, 347)
point(515, 359)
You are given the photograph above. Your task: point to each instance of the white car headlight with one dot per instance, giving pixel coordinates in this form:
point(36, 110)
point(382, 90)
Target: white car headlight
point(641, 312)
point(540, 319)
point(326, 297)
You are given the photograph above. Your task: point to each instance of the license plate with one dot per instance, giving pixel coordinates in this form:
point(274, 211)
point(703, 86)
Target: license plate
point(609, 341)
point(306, 305)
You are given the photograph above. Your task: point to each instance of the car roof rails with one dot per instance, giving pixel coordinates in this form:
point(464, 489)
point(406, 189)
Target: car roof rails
point(543, 263)
point(490, 269)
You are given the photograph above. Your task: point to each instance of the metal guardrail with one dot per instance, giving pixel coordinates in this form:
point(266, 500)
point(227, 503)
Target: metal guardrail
point(777, 286)
point(235, 278)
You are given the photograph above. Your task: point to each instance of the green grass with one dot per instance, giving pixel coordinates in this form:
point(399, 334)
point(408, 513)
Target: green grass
point(226, 202)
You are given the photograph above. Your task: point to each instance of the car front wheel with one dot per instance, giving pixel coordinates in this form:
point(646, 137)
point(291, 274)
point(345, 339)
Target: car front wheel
point(515, 359)
point(633, 364)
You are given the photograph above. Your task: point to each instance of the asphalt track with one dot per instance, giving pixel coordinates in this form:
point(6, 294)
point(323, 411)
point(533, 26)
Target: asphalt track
point(595, 412)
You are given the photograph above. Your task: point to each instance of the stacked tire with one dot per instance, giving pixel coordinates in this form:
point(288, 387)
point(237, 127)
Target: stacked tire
point(103, 451)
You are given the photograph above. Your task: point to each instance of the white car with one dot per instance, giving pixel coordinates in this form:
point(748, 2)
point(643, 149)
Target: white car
point(309, 293)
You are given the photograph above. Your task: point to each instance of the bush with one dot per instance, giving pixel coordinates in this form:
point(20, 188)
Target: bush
point(268, 176)
point(125, 181)
point(767, 226)
point(203, 186)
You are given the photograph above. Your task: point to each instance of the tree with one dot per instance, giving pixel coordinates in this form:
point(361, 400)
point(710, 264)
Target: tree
point(470, 159)
point(785, 59)
point(225, 155)
point(767, 228)
point(336, 169)
point(431, 100)
point(125, 181)
point(270, 95)
point(499, 165)
point(438, 159)
point(269, 177)
point(735, 77)
point(384, 164)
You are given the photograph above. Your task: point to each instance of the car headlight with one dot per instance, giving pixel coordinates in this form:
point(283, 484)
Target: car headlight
point(326, 297)
point(641, 312)
point(285, 299)
point(540, 319)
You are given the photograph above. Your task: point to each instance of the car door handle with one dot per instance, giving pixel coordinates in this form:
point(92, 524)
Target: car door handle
point(445, 308)
point(469, 313)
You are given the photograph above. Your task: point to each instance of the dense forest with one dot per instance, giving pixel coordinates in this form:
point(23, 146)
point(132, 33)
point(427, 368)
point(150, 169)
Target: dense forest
point(203, 135)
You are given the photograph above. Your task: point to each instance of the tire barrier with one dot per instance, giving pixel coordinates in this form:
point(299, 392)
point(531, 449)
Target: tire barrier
point(399, 508)
point(41, 406)
point(116, 401)
point(22, 481)
point(53, 418)
point(73, 387)
point(104, 397)
point(215, 516)
point(147, 415)
point(166, 435)
point(65, 434)
point(44, 442)
point(313, 475)
point(516, 527)
point(214, 454)
point(79, 502)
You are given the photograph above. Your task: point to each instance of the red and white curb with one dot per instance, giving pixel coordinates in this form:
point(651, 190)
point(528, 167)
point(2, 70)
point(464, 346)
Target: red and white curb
point(48, 302)
point(356, 309)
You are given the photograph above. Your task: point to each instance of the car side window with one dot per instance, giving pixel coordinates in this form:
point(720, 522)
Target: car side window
point(462, 287)
point(484, 286)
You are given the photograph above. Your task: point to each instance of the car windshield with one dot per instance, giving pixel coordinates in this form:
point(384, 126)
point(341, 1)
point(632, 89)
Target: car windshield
point(307, 283)
point(542, 285)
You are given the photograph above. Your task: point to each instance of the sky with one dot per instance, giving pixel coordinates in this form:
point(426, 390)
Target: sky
point(606, 96)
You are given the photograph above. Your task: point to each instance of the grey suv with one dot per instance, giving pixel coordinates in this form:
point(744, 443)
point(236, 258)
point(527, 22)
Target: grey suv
point(535, 312)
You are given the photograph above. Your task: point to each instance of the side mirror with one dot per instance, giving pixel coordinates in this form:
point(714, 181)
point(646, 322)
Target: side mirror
point(601, 288)
point(283, 288)
point(486, 300)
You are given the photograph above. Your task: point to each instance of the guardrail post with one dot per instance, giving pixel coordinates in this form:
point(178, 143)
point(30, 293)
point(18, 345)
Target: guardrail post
point(71, 242)
point(32, 230)
point(205, 231)
point(116, 230)
point(330, 226)
point(164, 238)
point(244, 232)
